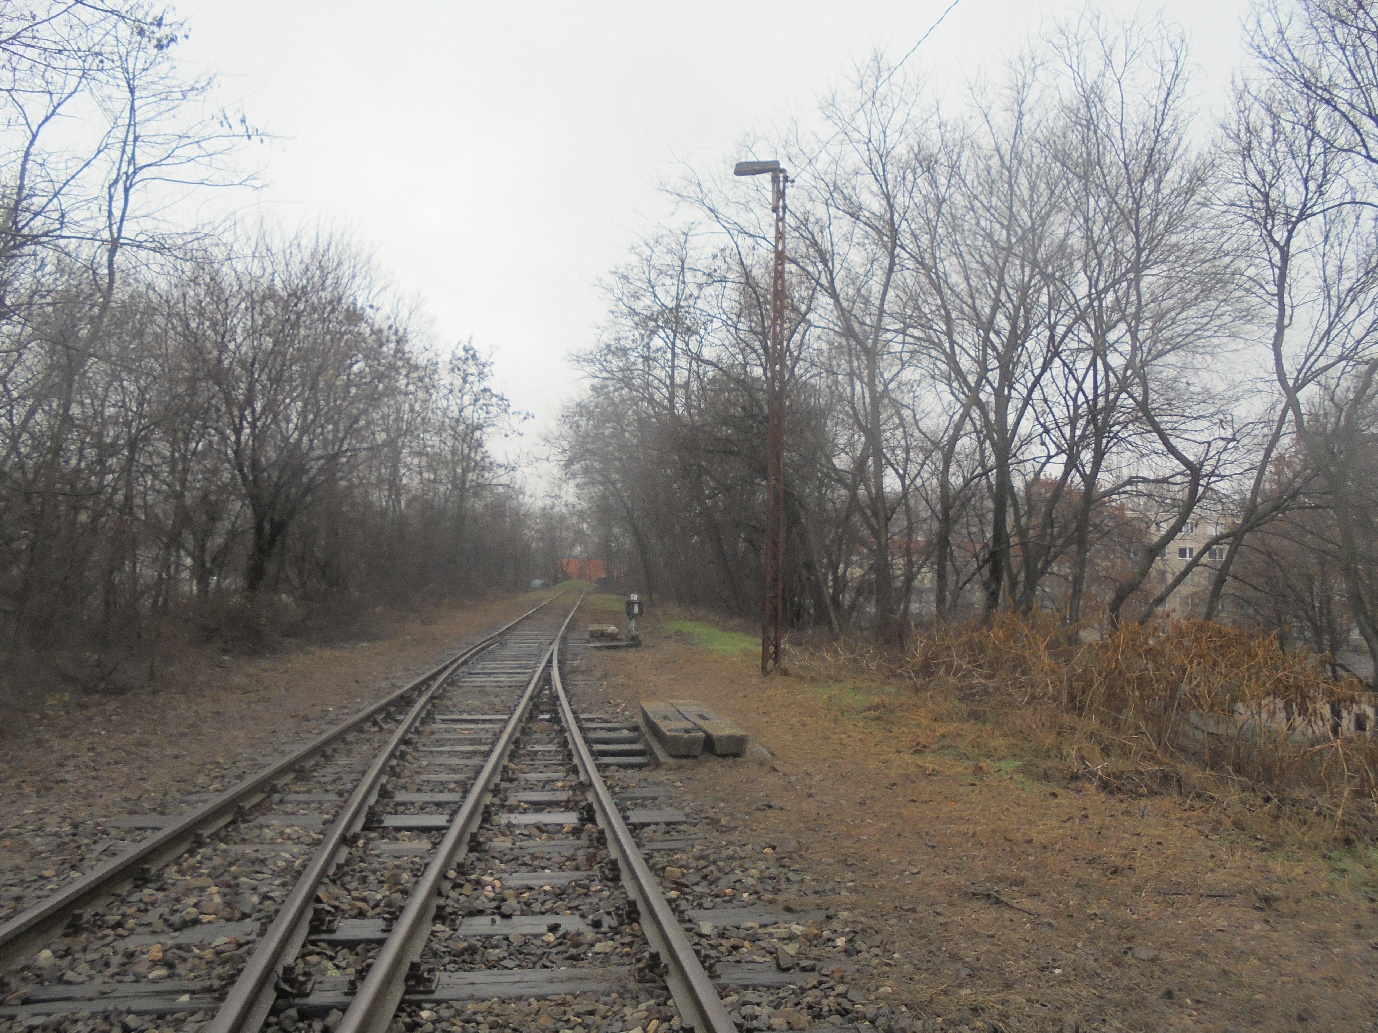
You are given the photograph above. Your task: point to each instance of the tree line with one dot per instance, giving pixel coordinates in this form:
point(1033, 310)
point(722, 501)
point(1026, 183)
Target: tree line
point(199, 419)
point(1040, 335)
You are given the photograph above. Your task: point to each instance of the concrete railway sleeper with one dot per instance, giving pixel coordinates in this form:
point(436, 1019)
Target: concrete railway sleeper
point(168, 924)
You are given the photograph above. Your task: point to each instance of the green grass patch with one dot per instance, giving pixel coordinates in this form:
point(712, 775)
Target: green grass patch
point(859, 699)
point(1356, 867)
point(601, 607)
point(716, 639)
point(858, 694)
point(1008, 766)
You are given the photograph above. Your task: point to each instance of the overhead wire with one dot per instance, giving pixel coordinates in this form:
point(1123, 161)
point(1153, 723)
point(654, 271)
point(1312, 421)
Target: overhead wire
point(886, 79)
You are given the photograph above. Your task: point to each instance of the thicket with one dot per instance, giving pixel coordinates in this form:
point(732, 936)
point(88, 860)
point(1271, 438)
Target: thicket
point(1189, 708)
point(227, 433)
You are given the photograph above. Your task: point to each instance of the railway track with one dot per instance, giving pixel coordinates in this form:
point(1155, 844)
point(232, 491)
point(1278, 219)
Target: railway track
point(483, 818)
point(177, 834)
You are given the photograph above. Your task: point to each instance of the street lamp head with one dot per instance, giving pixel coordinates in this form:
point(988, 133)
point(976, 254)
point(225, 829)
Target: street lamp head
point(756, 168)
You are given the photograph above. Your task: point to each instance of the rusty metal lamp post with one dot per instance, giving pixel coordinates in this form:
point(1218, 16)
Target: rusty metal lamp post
point(775, 416)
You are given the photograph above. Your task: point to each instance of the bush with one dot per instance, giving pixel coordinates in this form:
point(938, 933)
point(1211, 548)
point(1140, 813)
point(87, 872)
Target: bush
point(1228, 698)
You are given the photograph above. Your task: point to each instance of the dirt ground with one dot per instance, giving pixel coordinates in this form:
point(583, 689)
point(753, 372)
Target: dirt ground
point(1010, 901)
point(1014, 902)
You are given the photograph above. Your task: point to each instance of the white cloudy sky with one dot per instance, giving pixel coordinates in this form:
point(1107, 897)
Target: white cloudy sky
point(501, 155)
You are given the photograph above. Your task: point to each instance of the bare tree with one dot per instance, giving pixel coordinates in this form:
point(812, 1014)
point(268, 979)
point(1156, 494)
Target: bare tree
point(1301, 191)
point(299, 370)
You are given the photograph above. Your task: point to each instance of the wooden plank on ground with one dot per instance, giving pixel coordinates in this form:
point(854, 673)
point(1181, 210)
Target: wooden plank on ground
point(725, 738)
point(681, 738)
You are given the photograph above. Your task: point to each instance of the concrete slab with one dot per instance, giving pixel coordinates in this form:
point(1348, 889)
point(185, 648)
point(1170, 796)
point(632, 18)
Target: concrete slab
point(764, 974)
point(140, 821)
point(678, 736)
point(525, 925)
point(427, 798)
point(677, 844)
point(654, 816)
point(641, 793)
point(725, 738)
point(424, 822)
point(356, 930)
point(733, 917)
point(625, 762)
point(300, 821)
point(540, 796)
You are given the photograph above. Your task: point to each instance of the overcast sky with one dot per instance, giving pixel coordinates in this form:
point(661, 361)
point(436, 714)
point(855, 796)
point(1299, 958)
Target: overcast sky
point(500, 156)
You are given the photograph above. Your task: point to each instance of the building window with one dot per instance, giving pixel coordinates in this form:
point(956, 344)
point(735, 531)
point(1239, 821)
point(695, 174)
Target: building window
point(1217, 552)
point(1189, 527)
point(1185, 552)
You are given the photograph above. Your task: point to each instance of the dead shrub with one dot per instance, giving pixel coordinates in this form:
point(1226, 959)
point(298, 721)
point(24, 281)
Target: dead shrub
point(250, 626)
point(1160, 693)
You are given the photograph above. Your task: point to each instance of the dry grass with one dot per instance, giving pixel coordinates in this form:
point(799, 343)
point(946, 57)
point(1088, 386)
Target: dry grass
point(1184, 706)
point(915, 797)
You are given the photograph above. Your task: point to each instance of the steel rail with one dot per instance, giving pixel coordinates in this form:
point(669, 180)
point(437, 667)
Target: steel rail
point(251, 997)
point(689, 984)
point(375, 1003)
point(694, 993)
point(50, 915)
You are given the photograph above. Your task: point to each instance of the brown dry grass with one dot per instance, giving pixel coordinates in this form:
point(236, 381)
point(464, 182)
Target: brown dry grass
point(1137, 908)
point(1156, 706)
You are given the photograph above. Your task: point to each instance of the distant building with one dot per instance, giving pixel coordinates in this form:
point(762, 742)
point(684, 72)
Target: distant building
point(1188, 598)
point(584, 570)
